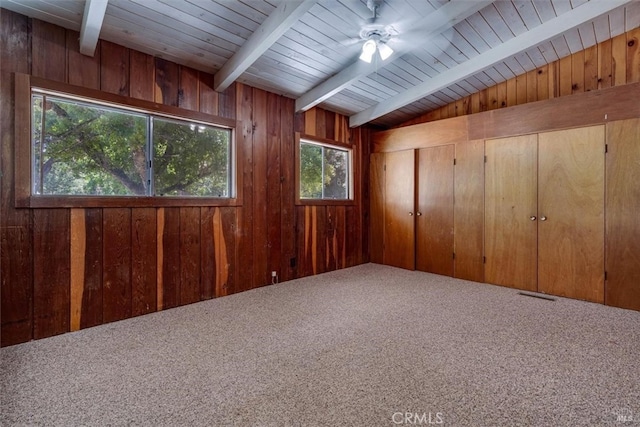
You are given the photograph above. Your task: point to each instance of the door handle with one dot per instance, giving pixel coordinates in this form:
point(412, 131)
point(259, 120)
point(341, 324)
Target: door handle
point(532, 218)
point(410, 213)
point(543, 218)
point(419, 213)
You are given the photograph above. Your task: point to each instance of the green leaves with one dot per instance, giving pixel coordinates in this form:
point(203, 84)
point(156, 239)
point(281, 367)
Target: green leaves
point(86, 149)
point(324, 172)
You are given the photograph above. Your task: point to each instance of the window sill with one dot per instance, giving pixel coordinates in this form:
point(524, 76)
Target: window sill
point(121, 202)
point(325, 202)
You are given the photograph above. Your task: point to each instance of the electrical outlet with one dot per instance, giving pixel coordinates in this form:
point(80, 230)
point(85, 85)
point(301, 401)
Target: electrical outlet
point(273, 274)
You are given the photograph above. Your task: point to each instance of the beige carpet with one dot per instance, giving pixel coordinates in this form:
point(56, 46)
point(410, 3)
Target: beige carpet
point(366, 346)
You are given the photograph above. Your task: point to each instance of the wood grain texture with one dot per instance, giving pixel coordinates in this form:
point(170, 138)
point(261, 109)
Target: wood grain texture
point(167, 82)
point(116, 296)
point(622, 288)
point(86, 268)
point(189, 255)
point(189, 91)
point(51, 272)
point(434, 225)
point(16, 242)
point(141, 75)
point(114, 68)
point(612, 62)
point(48, 51)
point(143, 261)
point(171, 261)
point(571, 198)
point(83, 70)
point(245, 272)
point(399, 225)
point(510, 200)
point(449, 131)
point(469, 211)
point(155, 260)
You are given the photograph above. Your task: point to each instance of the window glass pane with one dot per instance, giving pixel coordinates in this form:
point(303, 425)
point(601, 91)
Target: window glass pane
point(88, 150)
point(335, 174)
point(310, 171)
point(36, 133)
point(191, 159)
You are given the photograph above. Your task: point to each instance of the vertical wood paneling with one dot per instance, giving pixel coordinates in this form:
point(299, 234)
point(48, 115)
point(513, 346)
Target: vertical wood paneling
point(633, 56)
point(532, 86)
point(565, 76)
point(542, 76)
point(604, 64)
point(591, 68)
point(114, 68)
point(188, 92)
point(619, 60)
point(261, 190)
point(49, 55)
point(83, 70)
point(274, 190)
point(115, 263)
point(226, 226)
point(116, 296)
point(91, 312)
point(521, 89)
point(208, 254)
point(245, 212)
point(288, 255)
point(208, 97)
point(171, 262)
point(189, 255)
point(577, 72)
point(51, 272)
point(16, 265)
point(141, 75)
point(167, 82)
point(143, 261)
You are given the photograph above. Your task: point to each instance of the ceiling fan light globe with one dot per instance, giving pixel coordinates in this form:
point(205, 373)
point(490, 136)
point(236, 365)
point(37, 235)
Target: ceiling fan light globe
point(366, 57)
point(385, 51)
point(368, 49)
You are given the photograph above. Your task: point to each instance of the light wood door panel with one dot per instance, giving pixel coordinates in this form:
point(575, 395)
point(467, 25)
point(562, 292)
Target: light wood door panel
point(571, 198)
point(622, 288)
point(469, 211)
point(377, 207)
point(434, 211)
point(510, 202)
point(399, 232)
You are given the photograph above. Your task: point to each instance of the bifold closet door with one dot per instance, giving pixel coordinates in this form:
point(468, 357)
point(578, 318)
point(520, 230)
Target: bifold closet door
point(510, 212)
point(434, 212)
point(571, 213)
point(399, 223)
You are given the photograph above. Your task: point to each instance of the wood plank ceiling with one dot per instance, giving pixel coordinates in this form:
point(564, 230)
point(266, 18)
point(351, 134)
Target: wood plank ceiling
point(308, 50)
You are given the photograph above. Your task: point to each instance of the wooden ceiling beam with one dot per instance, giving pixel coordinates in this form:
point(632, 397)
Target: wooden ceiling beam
point(94, 11)
point(435, 23)
point(276, 24)
point(540, 34)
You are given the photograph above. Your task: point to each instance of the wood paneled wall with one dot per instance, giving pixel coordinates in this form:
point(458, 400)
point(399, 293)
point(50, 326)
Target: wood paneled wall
point(613, 62)
point(68, 269)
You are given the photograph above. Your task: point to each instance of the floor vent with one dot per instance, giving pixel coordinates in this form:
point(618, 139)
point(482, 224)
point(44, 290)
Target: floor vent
point(545, 297)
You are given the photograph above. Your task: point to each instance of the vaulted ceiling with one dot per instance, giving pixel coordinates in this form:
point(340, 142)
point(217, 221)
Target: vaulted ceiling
point(308, 49)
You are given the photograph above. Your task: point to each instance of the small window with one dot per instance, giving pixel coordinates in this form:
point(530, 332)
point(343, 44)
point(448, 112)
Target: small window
point(82, 148)
point(325, 171)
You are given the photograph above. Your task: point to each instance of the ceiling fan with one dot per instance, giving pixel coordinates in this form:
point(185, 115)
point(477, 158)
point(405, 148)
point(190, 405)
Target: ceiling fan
point(375, 36)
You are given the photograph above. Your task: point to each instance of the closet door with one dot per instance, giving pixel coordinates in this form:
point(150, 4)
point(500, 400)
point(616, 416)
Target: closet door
point(399, 225)
point(510, 212)
point(623, 226)
point(434, 212)
point(571, 213)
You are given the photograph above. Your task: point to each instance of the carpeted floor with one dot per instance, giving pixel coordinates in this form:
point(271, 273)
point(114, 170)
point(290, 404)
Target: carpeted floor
point(366, 346)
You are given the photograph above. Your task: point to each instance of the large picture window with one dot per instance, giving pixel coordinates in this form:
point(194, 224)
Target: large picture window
point(325, 171)
point(83, 148)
